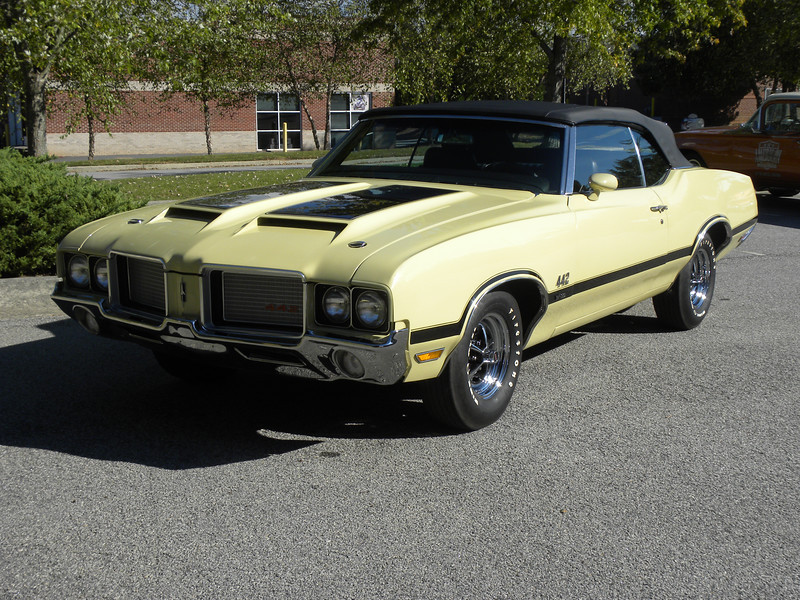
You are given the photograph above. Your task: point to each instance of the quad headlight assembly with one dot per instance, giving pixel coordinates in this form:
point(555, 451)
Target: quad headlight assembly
point(87, 272)
point(359, 308)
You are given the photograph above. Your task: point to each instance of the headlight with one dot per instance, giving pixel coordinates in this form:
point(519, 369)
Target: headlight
point(371, 309)
point(78, 271)
point(336, 305)
point(101, 273)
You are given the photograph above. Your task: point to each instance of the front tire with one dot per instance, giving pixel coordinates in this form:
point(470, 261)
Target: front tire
point(476, 385)
point(686, 303)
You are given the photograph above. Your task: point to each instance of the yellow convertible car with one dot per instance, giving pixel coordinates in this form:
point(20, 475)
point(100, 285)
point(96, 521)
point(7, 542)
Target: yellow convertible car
point(434, 244)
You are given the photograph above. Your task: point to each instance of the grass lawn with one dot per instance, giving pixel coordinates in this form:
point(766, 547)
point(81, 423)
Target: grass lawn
point(182, 187)
point(201, 158)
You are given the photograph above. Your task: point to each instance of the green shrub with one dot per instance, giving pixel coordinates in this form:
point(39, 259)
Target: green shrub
point(39, 204)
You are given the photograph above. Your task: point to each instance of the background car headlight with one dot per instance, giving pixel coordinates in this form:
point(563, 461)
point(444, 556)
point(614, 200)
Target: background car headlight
point(371, 309)
point(101, 273)
point(336, 305)
point(78, 271)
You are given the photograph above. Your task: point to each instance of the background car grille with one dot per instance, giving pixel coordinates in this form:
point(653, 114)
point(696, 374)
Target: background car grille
point(266, 301)
point(140, 284)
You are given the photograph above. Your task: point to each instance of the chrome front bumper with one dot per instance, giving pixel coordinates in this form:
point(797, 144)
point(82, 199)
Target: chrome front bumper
point(382, 361)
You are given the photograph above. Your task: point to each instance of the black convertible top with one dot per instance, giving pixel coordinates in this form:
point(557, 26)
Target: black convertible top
point(567, 114)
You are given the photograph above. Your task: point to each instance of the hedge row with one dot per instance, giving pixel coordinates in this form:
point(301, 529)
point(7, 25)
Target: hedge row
point(39, 204)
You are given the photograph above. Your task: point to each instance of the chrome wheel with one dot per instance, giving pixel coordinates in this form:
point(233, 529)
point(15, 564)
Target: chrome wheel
point(686, 303)
point(700, 279)
point(478, 381)
point(489, 353)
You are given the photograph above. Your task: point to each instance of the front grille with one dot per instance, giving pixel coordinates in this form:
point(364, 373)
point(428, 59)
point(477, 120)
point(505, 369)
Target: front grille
point(268, 301)
point(139, 284)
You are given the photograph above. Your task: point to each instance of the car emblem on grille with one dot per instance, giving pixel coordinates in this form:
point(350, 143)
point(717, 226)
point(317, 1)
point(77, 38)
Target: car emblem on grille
point(285, 308)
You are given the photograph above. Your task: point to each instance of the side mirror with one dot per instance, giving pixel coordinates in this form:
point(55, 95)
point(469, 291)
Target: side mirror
point(602, 182)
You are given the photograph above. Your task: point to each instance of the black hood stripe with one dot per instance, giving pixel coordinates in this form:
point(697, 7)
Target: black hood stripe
point(243, 197)
point(357, 204)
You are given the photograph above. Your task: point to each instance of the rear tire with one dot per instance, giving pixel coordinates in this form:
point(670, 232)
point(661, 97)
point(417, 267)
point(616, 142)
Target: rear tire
point(782, 192)
point(476, 385)
point(686, 303)
point(695, 159)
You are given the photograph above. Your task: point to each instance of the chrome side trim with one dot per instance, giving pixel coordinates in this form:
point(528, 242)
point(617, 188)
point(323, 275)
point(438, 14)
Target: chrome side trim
point(457, 329)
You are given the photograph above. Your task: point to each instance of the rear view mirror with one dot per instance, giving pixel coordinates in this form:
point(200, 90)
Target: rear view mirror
point(602, 182)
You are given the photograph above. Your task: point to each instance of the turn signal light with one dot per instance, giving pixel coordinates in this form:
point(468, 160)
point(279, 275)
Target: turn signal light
point(428, 356)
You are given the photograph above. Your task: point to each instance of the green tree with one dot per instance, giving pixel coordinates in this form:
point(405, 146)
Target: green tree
point(93, 82)
point(39, 38)
point(531, 48)
point(711, 76)
point(320, 47)
point(203, 47)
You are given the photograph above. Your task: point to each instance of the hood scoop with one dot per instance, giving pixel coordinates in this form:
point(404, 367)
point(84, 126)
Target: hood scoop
point(357, 204)
point(188, 214)
point(290, 223)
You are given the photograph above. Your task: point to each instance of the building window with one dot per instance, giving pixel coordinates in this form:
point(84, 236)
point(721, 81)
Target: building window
point(272, 111)
point(345, 110)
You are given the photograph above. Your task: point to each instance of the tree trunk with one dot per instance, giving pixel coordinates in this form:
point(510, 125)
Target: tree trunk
point(207, 124)
point(756, 93)
point(36, 112)
point(556, 70)
point(311, 121)
point(90, 124)
point(296, 88)
point(328, 94)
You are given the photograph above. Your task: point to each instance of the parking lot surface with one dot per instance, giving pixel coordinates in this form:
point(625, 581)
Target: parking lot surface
point(633, 462)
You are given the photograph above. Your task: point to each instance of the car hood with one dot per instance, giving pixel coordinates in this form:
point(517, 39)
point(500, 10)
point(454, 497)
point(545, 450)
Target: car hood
point(324, 229)
point(704, 132)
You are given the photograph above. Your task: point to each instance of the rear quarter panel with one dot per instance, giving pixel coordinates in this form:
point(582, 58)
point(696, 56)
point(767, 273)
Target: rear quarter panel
point(698, 196)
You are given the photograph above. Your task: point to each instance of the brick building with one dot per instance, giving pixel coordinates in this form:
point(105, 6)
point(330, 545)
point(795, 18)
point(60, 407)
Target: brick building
point(152, 125)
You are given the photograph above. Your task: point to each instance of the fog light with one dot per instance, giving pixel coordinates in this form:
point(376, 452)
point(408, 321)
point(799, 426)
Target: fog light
point(348, 364)
point(86, 319)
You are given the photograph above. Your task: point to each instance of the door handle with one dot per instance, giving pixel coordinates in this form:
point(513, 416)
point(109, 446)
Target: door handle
point(659, 209)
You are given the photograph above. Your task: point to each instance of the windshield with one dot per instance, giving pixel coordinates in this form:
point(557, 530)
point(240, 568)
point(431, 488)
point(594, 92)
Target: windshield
point(486, 152)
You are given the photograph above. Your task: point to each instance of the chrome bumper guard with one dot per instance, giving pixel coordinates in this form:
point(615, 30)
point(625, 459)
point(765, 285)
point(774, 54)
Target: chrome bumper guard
point(382, 362)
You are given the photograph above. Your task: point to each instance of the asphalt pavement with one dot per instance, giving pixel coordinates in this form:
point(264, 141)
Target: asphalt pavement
point(632, 463)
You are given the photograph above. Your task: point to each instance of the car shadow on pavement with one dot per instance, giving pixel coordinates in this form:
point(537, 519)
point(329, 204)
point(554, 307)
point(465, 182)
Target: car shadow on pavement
point(780, 211)
point(110, 400)
point(625, 323)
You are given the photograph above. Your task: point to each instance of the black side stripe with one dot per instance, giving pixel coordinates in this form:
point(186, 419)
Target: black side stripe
point(452, 329)
point(436, 333)
point(443, 331)
point(744, 226)
point(590, 284)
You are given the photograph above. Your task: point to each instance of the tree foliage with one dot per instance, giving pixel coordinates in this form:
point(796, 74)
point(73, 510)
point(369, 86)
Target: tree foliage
point(202, 48)
point(711, 76)
point(318, 48)
point(78, 40)
point(450, 49)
